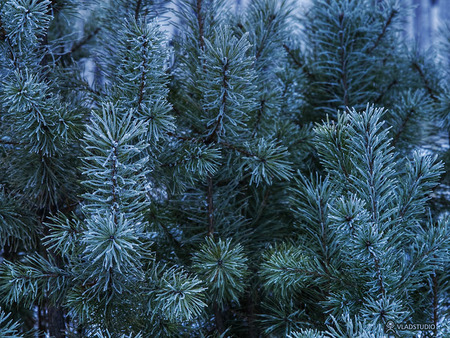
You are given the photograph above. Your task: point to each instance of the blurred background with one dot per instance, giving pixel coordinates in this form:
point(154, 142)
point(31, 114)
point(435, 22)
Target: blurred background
point(428, 18)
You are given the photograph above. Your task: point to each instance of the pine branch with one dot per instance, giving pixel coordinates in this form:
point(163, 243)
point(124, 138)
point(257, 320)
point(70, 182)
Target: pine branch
point(259, 117)
point(377, 269)
point(412, 268)
point(175, 241)
point(383, 31)
point(176, 110)
point(323, 234)
point(210, 203)
point(141, 86)
point(83, 41)
point(267, 33)
point(114, 184)
point(2, 32)
point(223, 107)
point(14, 143)
point(435, 302)
point(299, 64)
point(384, 92)
point(261, 207)
point(332, 143)
point(184, 138)
point(369, 122)
point(343, 66)
point(303, 272)
point(222, 143)
point(240, 150)
point(45, 274)
point(426, 83)
point(402, 128)
point(200, 24)
point(109, 290)
point(91, 90)
point(291, 54)
point(341, 152)
point(138, 8)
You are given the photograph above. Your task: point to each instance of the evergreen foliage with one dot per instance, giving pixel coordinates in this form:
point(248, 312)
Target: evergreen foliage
point(8, 328)
point(365, 226)
point(253, 175)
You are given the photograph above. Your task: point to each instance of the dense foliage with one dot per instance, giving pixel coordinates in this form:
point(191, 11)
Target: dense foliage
point(250, 174)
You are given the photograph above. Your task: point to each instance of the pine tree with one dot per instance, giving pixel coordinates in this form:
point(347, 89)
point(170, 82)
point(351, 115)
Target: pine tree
point(238, 176)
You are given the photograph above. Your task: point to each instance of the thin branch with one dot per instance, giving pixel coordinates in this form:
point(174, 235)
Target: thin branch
point(383, 31)
point(138, 8)
point(91, 90)
point(435, 303)
point(343, 61)
point(430, 91)
point(44, 274)
point(223, 143)
point(14, 143)
point(83, 41)
point(266, 35)
point(180, 162)
point(261, 207)
point(242, 151)
point(200, 24)
point(371, 177)
point(141, 87)
point(223, 103)
point(303, 272)
point(341, 152)
point(176, 110)
point(291, 54)
point(417, 261)
point(259, 118)
point(378, 271)
point(397, 135)
point(384, 92)
point(114, 186)
point(176, 242)
point(2, 32)
point(69, 208)
point(323, 235)
point(200, 140)
point(185, 138)
point(297, 62)
point(210, 203)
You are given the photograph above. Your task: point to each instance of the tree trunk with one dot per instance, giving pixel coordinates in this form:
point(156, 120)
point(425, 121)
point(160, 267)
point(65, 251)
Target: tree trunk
point(56, 323)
